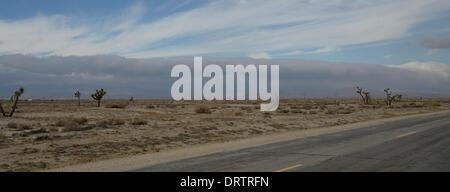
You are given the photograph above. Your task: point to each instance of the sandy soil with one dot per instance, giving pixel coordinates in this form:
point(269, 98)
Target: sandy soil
point(50, 134)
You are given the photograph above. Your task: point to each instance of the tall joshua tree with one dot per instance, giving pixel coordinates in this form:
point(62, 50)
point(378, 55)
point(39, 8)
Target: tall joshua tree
point(98, 96)
point(78, 96)
point(365, 95)
point(390, 98)
point(16, 96)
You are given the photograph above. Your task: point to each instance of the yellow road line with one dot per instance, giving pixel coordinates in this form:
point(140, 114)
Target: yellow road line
point(289, 168)
point(406, 134)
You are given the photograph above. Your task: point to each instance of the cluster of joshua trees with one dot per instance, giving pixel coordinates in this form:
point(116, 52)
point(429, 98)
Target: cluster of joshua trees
point(365, 95)
point(97, 96)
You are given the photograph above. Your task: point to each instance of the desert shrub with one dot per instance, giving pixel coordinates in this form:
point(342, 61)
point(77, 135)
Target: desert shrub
point(278, 126)
point(138, 122)
point(75, 125)
point(312, 112)
point(307, 107)
point(2, 136)
point(24, 127)
point(60, 123)
point(345, 111)
point(330, 112)
point(104, 123)
point(171, 106)
point(70, 126)
point(38, 131)
point(12, 125)
point(296, 107)
point(118, 122)
point(150, 106)
point(117, 105)
point(202, 109)
point(42, 138)
point(435, 104)
point(323, 107)
point(81, 120)
point(238, 113)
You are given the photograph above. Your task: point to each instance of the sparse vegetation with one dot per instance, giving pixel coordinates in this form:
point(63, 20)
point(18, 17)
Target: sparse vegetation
point(81, 120)
point(202, 109)
point(390, 99)
point(117, 105)
point(24, 127)
point(78, 96)
point(15, 99)
point(85, 134)
point(435, 104)
point(2, 137)
point(104, 123)
point(238, 113)
point(12, 125)
point(98, 96)
point(138, 122)
point(118, 122)
point(365, 95)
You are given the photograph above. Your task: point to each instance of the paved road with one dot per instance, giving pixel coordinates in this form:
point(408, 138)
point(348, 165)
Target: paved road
point(416, 144)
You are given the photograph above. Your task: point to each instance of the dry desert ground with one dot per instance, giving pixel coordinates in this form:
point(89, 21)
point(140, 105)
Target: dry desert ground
point(50, 134)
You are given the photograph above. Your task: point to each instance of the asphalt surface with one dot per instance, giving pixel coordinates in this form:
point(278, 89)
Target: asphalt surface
point(416, 144)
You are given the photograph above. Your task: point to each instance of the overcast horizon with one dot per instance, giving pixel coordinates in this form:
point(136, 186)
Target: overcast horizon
point(59, 77)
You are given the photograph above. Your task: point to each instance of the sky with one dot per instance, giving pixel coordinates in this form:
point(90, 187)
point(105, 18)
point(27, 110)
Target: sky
point(377, 32)
point(51, 45)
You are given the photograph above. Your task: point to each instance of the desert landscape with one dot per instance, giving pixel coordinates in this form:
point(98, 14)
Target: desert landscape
point(45, 134)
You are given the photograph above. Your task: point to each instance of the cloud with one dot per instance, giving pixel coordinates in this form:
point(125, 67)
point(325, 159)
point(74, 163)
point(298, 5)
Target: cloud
point(245, 27)
point(59, 77)
point(316, 51)
point(436, 43)
point(260, 56)
point(429, 69)
point(387, 56)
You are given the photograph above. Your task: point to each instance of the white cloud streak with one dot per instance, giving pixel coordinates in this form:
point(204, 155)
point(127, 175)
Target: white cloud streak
point(260, 56)
point(427, 69)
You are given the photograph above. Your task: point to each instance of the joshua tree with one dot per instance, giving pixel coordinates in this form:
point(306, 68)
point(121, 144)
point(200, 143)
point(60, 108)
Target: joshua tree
point(365, 95)
point(98, 96)
point(16, 96)
point(78, 96)
point(390, 98)
point(131, 100)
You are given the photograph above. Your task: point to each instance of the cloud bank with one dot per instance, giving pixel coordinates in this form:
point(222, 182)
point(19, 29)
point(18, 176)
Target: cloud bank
point(58, 77)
